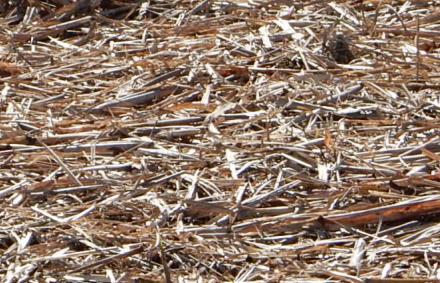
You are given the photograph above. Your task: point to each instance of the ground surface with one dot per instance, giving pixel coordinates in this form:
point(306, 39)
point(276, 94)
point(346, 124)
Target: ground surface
point(219, 140)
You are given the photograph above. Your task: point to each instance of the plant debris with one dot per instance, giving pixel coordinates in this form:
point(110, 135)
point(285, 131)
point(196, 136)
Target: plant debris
point(245, 141)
